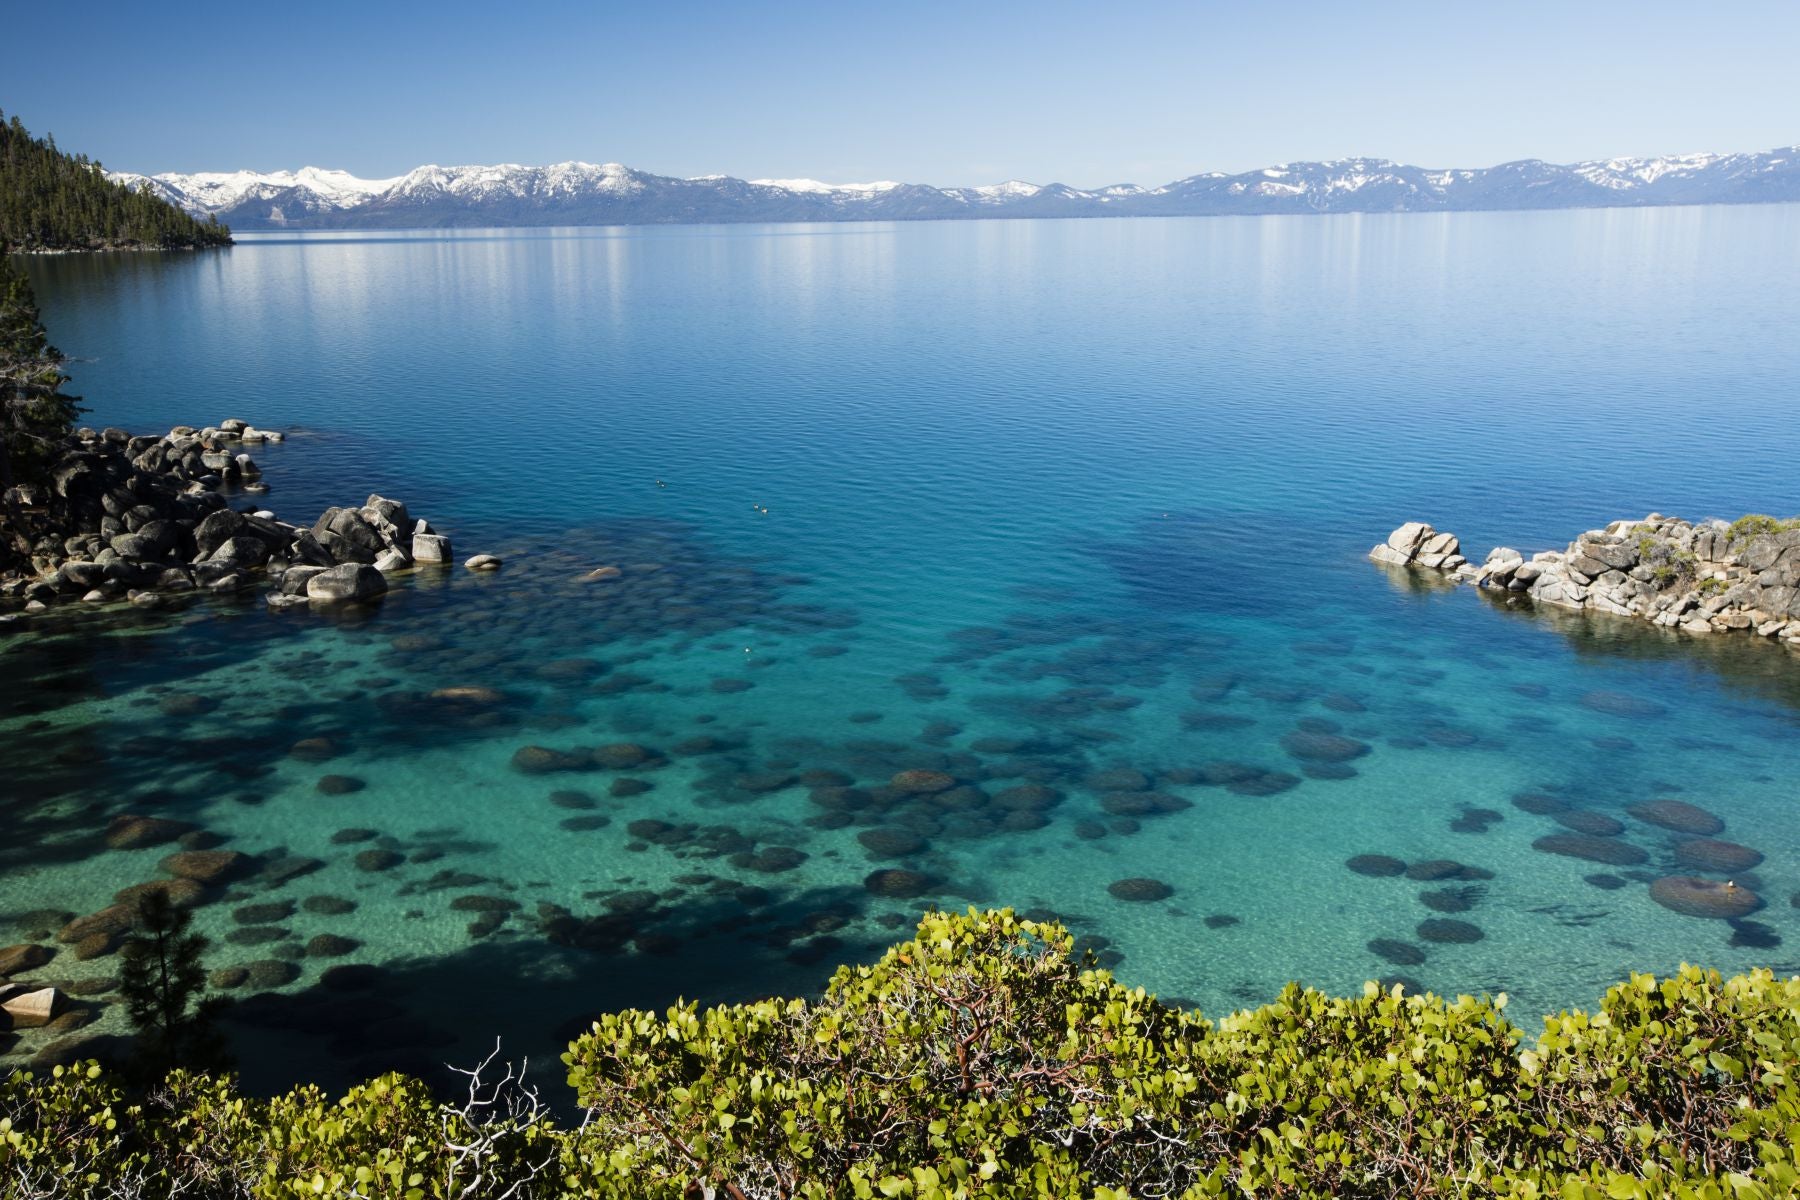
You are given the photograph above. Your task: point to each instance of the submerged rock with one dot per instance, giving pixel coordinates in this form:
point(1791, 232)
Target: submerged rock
point(1586, 820)
point(1679, 816)
point(1140, 889)
point(206, 866)
point(330, 945)
point(132, 832)
point(16, 960)
point(1711, 854)
point(1399, 953)
point(897, 883)
point(1317, 747)
point(1695, 897)
point(922, 782)
point(1376, 865)
point(891, 843)
point(1610, 851)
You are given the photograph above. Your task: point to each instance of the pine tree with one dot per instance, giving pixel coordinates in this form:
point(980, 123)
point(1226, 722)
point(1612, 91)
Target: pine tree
point(162, 981)
point(34, 413)
point(50, 200)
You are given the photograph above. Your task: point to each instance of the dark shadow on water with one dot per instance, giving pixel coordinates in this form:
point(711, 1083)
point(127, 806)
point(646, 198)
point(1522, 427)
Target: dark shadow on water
point(417, 1015)
point(1759, 668)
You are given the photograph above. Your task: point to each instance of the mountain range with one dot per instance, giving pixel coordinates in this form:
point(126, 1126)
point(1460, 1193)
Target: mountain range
point(577, 193)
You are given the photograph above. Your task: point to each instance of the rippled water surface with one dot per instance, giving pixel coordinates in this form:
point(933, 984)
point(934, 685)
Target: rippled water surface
point(1072, 513)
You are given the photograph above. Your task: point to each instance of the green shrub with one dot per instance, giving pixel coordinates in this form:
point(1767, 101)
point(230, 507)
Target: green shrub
point(984, 1055)
point(1754, 525)
point(985, 1058)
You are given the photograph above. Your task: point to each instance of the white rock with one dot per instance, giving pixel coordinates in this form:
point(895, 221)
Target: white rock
point(29, 1007)
point(1387, 554)
point(431, 548)
point(483, 562)
point(1444, 544)
point(1406, 539)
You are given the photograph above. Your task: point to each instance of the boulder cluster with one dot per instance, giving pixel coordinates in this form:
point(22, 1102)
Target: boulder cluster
point(143, 519)
point(1699, 577)
point(1416, 544)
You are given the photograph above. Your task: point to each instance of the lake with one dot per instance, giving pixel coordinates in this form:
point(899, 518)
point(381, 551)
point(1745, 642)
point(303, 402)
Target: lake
point(1065, 523)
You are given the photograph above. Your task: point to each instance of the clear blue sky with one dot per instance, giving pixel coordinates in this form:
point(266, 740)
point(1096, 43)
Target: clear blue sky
point(943, 93)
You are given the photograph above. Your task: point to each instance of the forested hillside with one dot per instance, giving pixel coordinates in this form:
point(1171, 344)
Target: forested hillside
point(51, 200)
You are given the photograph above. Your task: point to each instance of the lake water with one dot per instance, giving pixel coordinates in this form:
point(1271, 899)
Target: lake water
point(1073, 512)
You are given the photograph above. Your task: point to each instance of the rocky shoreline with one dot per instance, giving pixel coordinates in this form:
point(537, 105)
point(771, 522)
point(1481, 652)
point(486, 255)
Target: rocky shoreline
point(1699, 577)
point(144, 520)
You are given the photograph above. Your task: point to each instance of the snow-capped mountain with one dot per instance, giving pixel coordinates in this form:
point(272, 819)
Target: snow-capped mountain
point(578, 193)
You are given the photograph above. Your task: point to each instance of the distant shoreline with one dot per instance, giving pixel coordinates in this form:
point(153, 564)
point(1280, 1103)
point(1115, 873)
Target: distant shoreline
point(119, 248)
point(241, 233)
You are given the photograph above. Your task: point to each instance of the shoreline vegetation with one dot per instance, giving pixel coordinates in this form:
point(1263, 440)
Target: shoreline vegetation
point(986, 1057)
point(52, 202)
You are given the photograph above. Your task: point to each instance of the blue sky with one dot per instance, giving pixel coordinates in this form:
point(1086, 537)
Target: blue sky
point(950, 93)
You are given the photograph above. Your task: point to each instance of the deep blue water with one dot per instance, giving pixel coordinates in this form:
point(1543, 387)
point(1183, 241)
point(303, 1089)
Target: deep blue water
point(1023, 502)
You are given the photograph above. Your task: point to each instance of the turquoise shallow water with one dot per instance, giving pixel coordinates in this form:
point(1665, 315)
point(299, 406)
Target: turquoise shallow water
point(1038, 505)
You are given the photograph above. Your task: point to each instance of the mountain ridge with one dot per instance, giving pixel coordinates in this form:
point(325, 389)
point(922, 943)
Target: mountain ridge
point(581, 193)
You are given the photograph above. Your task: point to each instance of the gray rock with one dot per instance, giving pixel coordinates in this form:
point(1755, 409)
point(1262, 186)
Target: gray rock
point(347, 537)
point(308, 549)
point(431, 548)
point(392, 560)
point(82, 574)
point(483, 562)
point(241, 552)
point(217, 529)
point(295, 579)
point(136, 546)
point(389, 517)
point(349, 583)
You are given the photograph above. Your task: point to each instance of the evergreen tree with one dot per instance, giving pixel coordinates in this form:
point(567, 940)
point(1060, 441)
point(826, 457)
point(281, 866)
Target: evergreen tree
point(50, 200)
point(34, 413)
point(162, 981)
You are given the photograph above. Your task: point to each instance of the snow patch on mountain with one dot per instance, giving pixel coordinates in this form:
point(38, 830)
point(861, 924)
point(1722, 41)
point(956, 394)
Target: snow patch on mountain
point(588, 193)
point(815, 187)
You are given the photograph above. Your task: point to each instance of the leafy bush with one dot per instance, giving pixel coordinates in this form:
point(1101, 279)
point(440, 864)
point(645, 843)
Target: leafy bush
point(985, 1058)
